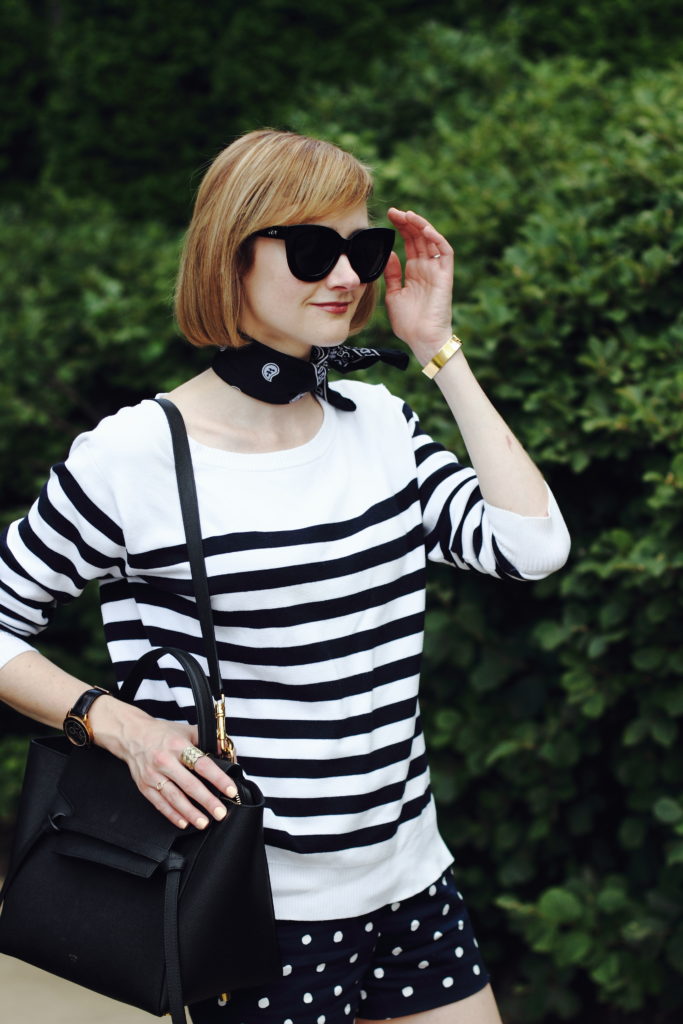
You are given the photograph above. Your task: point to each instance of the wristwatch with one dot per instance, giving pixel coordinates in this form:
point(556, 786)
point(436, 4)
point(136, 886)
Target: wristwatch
point(76, 724)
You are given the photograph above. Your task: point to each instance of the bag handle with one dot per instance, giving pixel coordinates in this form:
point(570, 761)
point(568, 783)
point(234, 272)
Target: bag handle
point(195, 676)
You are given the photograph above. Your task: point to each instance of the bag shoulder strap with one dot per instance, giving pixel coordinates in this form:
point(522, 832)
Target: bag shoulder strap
point(187, 492)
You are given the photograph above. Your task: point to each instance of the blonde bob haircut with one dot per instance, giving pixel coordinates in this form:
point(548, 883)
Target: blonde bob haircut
point(262, 179)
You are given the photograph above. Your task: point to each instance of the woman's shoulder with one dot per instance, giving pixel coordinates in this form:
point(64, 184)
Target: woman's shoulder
point(367, 396)
point(131, 432)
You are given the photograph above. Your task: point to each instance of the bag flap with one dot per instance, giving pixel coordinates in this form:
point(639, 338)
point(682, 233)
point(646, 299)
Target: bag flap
point(83, 847)
point(106, 804)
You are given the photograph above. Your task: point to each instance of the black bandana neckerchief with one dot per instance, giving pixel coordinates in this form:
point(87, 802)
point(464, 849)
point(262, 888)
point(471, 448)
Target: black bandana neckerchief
point(277, 378)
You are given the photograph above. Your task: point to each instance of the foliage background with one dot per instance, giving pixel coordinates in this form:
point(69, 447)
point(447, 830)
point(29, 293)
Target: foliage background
point(545, 140)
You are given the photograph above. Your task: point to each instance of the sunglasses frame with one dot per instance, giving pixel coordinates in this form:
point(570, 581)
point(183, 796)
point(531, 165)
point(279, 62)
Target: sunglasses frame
point(345, 247)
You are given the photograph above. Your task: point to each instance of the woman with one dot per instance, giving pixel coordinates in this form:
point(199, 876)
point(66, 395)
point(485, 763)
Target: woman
point(319, 507)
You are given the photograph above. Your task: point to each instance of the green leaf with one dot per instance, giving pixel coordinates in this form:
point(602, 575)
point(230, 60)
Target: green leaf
point(668, 811)
point(560, 906)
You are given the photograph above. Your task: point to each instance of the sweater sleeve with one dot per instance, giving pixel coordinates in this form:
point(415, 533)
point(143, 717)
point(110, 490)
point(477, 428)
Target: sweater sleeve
point(69, 537)
point(463, 529)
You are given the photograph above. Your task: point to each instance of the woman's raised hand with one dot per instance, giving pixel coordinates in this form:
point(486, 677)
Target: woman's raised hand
point(420, 305)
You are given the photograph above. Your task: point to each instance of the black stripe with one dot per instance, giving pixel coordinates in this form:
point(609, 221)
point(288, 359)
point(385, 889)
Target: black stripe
point(15, 566)
point(145, 594)
point(231, 543)
point(505, 567)
point(295, 575)
point(87, 508)
point(425, 451)
point(8, 613)
point(40, 606)
point(455, 544)
point(291, 807)
point(300, 654)
point(330, 767)
point(61, 525)
point(348, 840)
point(57, 563)
point(324, 729)
point(264, 689)
point(461, 476)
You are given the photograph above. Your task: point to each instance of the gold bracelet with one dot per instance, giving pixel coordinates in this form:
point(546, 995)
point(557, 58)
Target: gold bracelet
point(442, 356)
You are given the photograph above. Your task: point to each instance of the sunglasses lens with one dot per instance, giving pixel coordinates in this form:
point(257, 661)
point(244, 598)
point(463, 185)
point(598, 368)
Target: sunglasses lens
point(369, 251)
point(312, 251)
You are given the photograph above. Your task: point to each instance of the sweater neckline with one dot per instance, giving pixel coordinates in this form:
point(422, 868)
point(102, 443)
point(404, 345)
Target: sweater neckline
point(282, 459)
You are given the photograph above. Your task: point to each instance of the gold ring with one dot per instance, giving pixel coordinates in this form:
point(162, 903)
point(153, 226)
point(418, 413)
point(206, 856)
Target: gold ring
point(190, 755)
point(160, 785)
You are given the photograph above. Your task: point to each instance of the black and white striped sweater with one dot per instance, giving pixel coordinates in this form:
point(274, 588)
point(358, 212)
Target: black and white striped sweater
point(316, 562)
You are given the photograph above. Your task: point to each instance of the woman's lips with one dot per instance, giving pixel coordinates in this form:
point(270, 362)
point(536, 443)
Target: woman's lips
point(332, 307)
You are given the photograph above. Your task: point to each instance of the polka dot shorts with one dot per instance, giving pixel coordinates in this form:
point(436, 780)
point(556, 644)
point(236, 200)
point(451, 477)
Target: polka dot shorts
point(401, 959)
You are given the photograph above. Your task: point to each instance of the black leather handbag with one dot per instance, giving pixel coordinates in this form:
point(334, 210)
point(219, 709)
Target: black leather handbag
point(105, 891)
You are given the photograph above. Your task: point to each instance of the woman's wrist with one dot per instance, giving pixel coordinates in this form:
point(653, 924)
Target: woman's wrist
point(111, 720)
point(442, 356)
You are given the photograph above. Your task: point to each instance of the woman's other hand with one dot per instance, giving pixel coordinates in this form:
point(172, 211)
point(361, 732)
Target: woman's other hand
point(419, 304)
point(151, 748)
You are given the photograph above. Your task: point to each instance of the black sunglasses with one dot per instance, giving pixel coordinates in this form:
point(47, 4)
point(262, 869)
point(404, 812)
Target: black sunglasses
point(313, 250)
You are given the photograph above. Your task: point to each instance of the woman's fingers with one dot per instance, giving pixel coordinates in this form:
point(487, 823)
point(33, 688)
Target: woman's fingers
point(421, 239)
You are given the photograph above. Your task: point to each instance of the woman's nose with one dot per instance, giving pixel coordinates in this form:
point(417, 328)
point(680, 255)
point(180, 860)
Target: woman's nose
point(343, 275)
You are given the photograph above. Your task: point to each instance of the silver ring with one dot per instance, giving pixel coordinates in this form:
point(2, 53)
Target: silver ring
point(160, 785)
point(190, 755)
point(436, 256)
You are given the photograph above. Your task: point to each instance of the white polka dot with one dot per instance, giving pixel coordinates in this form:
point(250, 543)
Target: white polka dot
point(338, 990)
point(363, 994)
point(338, 936)
point(289, 1021)
point(422, 964)
point(264, 1002)
point(414, 925)
point(369, 926)
point(395, 906)
point(477, 969)
point(308, 998)
point(396, 951)
point(475, 943)
point(306, 939)
point(459, 895)
point(437, 936)
point(286, 970)
point(347, 1009)
point(321, 1019)
point(432, 890)
point(407, 991)
point(352, 959)
point(459, 951)
point(446, 908)
point(447, 982)
point(378, 972)
point(444, 880)
point(461, 926)
point(320, 968)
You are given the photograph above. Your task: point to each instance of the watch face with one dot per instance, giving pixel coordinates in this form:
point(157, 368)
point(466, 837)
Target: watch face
point(77, 732)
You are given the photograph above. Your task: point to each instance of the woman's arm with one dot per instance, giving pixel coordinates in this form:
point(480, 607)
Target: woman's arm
point(420, 312)
point(36, 687)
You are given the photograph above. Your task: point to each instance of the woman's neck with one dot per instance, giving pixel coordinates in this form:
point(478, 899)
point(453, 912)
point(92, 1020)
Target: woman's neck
point(220, 416)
